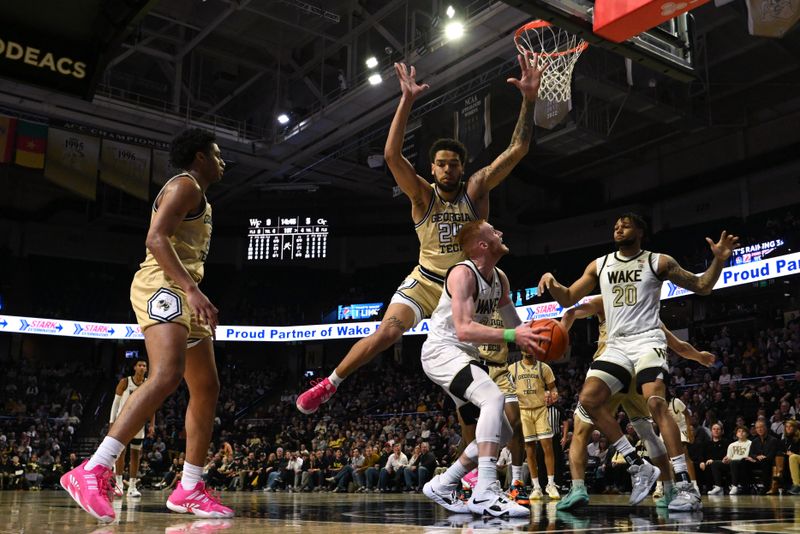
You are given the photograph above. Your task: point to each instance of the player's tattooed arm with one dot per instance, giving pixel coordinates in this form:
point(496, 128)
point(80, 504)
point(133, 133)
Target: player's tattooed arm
point(491, 176)
point(704, 283)
point(394, 322)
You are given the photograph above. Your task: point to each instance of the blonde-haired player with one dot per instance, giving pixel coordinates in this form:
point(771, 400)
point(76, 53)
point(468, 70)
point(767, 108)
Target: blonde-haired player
point(535, 385)
point(632, 404)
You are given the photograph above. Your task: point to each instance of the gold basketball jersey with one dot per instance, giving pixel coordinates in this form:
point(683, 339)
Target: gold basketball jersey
point(191, 240)
point(601, 340)
point(531, 382)
point(495, 352)
point(438, 250)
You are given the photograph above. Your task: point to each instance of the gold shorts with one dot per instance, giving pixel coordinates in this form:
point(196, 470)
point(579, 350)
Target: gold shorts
point(156, 299)
point(632, 403)
point(421, 292)
point(500, 376)
point(535, 423)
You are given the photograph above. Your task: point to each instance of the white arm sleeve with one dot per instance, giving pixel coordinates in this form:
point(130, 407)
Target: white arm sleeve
point(509, 315)
point(115, 408)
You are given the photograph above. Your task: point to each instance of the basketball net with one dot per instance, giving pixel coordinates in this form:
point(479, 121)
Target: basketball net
point(558, 50)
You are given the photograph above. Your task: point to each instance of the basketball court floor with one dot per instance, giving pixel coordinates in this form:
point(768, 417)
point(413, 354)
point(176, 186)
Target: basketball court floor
point(53, 511)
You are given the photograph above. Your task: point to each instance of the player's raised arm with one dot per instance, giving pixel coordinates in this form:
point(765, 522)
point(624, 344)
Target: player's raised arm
point(704, 283)
point(567, 296)
point(413, 185)
point(461, 286)
point(492, 175)
point(590, 308)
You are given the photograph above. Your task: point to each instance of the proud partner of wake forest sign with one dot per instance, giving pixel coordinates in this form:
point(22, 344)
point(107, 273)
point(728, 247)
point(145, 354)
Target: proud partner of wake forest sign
point(49, 61)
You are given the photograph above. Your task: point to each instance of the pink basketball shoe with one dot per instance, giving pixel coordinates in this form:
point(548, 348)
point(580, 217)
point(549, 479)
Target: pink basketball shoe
point(320, 392)
point(200, 501)
point(471, 478)
point(91, 490)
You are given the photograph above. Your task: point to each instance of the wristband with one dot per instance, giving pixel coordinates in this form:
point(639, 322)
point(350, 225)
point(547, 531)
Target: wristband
point(509, 335)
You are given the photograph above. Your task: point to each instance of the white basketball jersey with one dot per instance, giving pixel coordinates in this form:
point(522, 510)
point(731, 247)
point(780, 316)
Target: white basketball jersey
point(487, 295)
point(131, 387)
point(631, 293)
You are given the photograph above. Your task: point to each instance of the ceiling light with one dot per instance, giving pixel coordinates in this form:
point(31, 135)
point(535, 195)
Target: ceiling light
point(372, 62)
point(454, 30)
point(375, 79)
point(283, 118)
point(451, 12)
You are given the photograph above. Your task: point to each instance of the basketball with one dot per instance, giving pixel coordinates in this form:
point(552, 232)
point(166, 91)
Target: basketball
point(557, 339)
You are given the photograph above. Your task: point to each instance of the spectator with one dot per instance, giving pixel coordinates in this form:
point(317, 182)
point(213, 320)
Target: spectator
point(738, 459)
point(393, 470)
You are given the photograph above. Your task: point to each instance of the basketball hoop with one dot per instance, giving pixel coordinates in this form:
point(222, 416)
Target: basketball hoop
point(558, 50)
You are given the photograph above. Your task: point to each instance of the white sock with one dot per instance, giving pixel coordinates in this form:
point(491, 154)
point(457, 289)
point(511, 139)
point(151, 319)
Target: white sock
point(551, 480)
point(106, 454)
point(624, 446)
point(578, 483)
point(694, 483)
point(335, 379)
point(668, 484)
point(516, 473)
point(132, 483)
point(535, 482)
point(191, 475)
point(453, 475)
point(487, 472)
point(119, 481)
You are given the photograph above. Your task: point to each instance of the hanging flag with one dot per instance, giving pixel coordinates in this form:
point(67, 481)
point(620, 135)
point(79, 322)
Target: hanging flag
point(473, 123)
point(163, 169)
point(8, 128)
point(126, 167)
point(31, 143)
point(72, 160)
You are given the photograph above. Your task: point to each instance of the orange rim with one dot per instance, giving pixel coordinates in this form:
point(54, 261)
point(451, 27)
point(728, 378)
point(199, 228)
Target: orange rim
point(536, 24)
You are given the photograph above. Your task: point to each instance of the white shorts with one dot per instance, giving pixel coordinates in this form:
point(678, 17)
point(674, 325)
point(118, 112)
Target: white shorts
point(457, 372)
point(643, 356)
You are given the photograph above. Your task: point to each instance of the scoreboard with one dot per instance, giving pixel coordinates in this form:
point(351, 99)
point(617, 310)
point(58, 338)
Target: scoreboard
point(287, 238)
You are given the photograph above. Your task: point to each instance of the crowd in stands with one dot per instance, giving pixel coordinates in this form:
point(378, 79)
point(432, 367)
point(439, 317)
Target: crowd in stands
point(42, 409)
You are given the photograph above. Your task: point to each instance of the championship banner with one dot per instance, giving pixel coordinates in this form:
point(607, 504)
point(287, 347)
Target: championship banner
point(766, 269)
point(473, 125)
point(72, 161)
point(31, 143)
point(8, 127)
point(126, 167)
point(163, 169)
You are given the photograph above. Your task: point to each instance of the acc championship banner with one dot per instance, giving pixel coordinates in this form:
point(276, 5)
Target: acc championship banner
point(72, 161)
point(767, 269)
point(126, 167)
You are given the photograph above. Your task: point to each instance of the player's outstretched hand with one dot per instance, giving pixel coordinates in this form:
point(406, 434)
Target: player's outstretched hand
point(546, 282)
point(706, 359)
point(530, 75)
point(528, 339)
point(202, 308)
point(723, 248)
point(408, 81)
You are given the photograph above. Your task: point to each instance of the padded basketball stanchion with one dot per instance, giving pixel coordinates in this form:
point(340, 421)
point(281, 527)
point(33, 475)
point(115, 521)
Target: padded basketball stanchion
point(619, 20)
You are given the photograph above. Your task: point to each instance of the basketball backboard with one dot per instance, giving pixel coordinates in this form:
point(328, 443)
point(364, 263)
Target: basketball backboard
point(666, 48)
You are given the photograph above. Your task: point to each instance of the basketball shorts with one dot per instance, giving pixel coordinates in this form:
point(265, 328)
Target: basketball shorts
point(535, 423)
point(455, 371)
point(156, 299)
point(500, 376)
point(641, 356)
point(420, 291)
point(631, 401)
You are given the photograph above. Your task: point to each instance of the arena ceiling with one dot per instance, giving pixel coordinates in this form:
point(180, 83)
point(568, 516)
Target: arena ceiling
point(234, 65)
